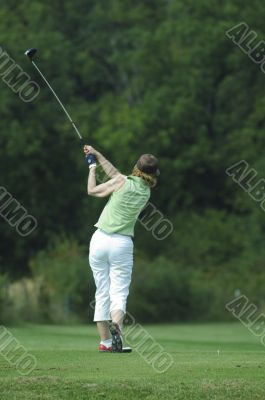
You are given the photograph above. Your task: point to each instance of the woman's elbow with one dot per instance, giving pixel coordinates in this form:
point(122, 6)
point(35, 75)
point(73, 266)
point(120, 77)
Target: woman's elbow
point(90, 192)
point(95, 193)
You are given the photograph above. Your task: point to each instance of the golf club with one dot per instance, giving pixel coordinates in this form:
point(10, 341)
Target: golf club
point(30, 53)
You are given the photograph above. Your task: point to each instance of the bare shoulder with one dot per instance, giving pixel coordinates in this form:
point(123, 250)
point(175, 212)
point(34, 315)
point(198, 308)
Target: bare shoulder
point(120, 178)
point(119, 181)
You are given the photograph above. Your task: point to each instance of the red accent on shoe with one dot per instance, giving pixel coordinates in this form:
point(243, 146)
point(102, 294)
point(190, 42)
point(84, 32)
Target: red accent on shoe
point(104, 348)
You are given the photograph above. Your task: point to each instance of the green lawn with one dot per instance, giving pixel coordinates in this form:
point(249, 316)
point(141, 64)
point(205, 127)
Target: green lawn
point(69, 366)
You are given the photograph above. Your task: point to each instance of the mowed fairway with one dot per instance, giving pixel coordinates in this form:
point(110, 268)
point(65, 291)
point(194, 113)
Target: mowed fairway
point(69, 366)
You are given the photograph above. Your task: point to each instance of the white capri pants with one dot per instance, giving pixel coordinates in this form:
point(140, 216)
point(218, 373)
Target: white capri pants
point(111, 261)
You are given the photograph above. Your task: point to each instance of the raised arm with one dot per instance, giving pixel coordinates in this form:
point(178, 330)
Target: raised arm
point(109, 169)
point(104, 189)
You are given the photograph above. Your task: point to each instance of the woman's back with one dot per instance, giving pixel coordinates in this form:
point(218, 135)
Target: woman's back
point(124, 206)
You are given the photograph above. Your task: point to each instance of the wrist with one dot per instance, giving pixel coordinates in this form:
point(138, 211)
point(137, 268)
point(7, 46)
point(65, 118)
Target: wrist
point(91, 160)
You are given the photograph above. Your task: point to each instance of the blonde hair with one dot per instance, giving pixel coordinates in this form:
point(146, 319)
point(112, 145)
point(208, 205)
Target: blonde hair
point(149, 179)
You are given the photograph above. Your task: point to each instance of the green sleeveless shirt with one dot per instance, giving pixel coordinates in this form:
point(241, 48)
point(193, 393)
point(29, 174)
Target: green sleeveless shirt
point(124, 206)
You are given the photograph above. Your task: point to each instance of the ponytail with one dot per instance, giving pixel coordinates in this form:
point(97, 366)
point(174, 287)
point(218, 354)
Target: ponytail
point(149, 179)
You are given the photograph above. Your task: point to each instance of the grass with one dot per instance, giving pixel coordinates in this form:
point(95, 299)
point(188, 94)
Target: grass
point(69, 366)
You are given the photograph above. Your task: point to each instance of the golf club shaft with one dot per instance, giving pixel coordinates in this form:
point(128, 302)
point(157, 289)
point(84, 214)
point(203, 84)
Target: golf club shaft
point(59, 101)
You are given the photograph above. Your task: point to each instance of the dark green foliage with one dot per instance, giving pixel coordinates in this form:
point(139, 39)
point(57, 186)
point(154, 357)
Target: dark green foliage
point(66, 286)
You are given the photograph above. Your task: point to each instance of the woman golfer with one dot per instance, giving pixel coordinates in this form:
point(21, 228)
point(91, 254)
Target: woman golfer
point(111, 246)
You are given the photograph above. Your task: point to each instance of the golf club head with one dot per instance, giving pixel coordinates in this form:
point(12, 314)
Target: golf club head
point(30, 53)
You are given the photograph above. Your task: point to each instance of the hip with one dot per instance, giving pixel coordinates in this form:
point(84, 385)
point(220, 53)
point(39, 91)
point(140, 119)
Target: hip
point(108, 239)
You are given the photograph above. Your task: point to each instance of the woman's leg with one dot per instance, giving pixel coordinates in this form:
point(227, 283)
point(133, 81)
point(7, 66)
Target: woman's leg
point(117, 316)
point(98, 259)
point(103, 330)
point(121, 263)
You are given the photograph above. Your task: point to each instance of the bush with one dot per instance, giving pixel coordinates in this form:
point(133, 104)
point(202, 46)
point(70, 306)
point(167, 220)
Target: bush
point(160, 291)
point(212, 257)
point(65, 285)
point(3, 298)
point(166, 291)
